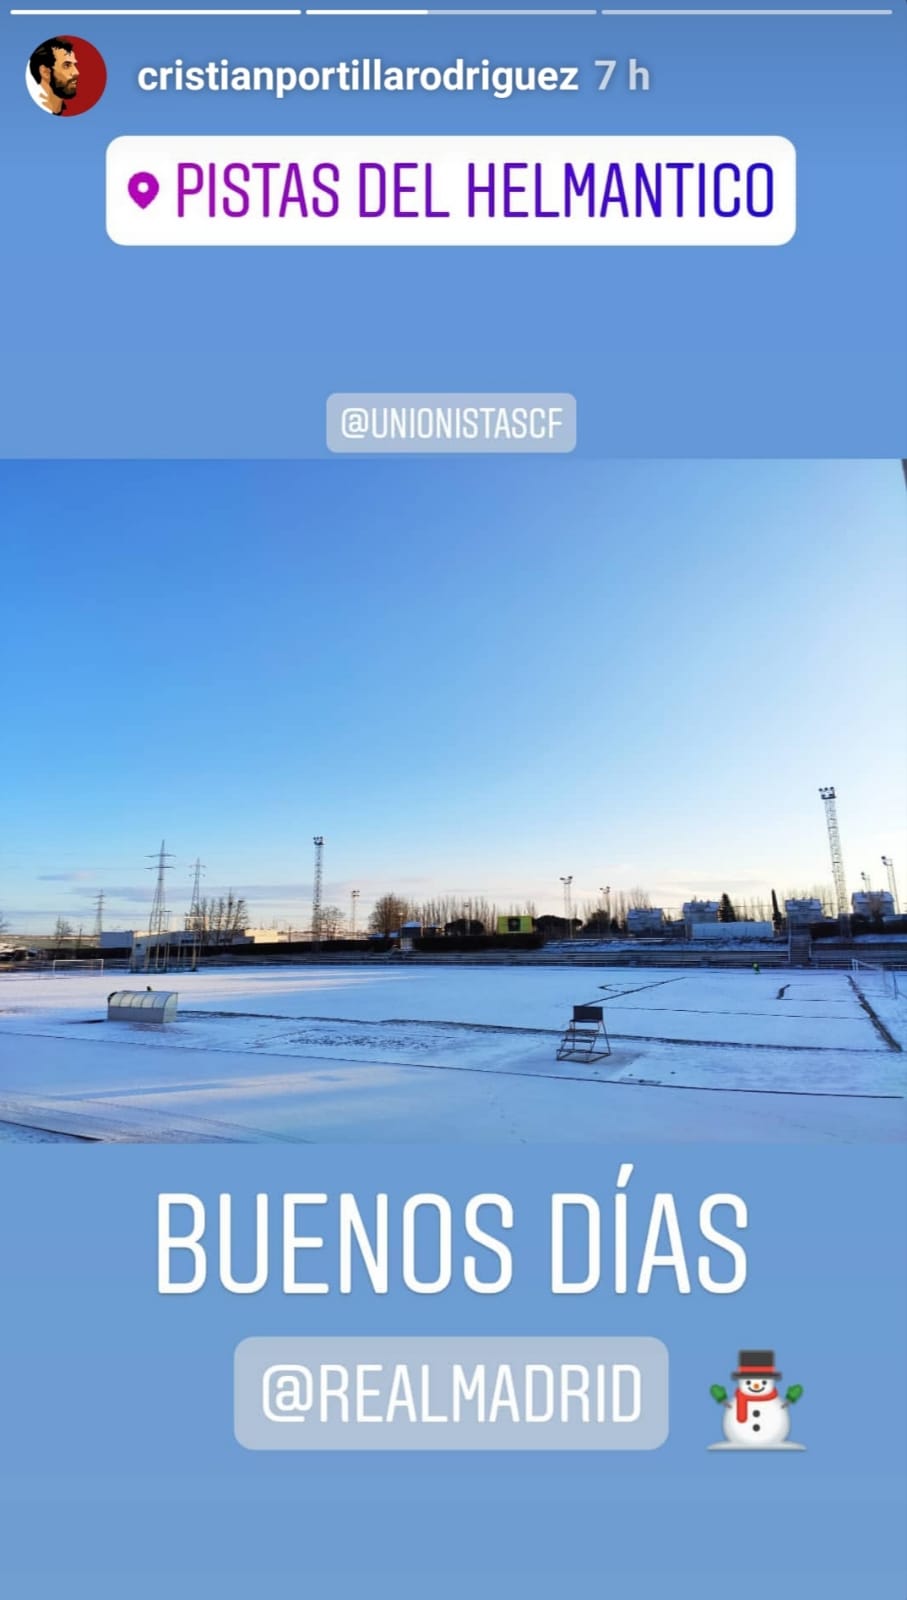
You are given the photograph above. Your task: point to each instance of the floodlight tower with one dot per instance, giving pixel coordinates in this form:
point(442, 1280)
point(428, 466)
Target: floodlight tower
point(354, 904)
point(829, 800)
point(156, 953)
point(316, 890)
point(888, 864)
point(568, 908)
point(99, 916)
point(867, 886)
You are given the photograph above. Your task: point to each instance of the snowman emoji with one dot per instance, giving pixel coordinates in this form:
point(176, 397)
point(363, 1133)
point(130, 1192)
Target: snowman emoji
point(755, 1416)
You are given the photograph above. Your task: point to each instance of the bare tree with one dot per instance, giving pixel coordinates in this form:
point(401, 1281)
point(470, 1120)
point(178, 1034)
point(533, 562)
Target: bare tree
point(478, 909)
point(388, 913)
point(435, 912)
point(596, 922)
point(333, 921)
point(217, 921)
point(236, 913)
point(62, 930)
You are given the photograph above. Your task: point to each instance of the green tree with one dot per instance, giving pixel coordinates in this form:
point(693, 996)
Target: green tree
point(726, 912)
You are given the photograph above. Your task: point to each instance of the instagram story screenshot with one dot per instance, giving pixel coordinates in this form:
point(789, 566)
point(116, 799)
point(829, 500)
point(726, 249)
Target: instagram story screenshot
point(453, 802)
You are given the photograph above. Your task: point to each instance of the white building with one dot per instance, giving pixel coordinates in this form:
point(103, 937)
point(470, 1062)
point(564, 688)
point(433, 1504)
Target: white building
point(873, 903)
point(700, 911)
point(726, 932)
point(800, 913)
point(121, 938)
point(127, 938)
point(645, 920)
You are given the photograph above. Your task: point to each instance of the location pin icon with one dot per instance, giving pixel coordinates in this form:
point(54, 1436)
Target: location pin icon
point(143, 188)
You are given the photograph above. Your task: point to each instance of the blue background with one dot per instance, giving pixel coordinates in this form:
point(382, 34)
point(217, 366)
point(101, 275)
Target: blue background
point(119, 1473)
point(794, 351)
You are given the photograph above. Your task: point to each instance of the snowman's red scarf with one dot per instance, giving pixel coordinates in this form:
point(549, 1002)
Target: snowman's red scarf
point(745, 1400)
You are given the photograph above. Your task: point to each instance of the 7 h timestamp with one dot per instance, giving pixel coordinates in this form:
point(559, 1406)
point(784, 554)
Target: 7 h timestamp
point(631, 73)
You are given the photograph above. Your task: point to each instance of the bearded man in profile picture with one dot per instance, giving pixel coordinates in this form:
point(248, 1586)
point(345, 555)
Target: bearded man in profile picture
point(56, 72)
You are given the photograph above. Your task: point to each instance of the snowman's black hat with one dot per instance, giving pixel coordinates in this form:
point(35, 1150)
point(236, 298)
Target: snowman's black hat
point(756, 1364)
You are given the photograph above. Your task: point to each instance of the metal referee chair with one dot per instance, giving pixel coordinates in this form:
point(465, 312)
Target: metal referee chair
point(585, 1037)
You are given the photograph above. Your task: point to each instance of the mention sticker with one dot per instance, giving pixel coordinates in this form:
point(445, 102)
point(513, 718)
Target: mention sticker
point(451, 1393)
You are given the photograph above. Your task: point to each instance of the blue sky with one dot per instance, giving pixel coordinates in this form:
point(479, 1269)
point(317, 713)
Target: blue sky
point(470, 677)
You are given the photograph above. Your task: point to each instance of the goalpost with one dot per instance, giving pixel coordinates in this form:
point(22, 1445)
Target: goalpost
point(874, 980)
point(67, 964)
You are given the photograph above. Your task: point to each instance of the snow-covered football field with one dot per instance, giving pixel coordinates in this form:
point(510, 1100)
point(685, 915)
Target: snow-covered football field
point(452, 1053)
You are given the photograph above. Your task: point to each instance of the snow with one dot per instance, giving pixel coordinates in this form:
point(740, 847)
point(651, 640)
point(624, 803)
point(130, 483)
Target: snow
point(14, 1133)
point(455, 1052)
point(785, 1444)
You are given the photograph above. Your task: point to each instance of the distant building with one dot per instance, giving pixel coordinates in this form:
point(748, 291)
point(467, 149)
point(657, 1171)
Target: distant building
point(874, 903)
point(139, 938)
point(174, 939)
point(121, 938)
point(18, 953)
point(716, 932)
point(801, 913)
point(699, 911)
point(645, 920)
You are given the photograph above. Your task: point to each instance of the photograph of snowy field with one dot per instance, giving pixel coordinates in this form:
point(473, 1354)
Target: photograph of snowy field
point(399, 1053)
point(411, 761)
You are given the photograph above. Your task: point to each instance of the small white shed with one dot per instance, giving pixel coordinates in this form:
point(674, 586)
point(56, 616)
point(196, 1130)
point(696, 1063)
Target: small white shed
point(142, 1005)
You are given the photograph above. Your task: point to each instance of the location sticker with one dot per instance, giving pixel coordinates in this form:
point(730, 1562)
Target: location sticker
point(143, 188)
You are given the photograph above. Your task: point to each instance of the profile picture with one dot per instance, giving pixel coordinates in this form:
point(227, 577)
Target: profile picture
point(66, 76)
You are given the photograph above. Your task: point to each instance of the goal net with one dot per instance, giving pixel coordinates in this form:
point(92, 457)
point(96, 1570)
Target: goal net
point(874, 981)
point(64, 965)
